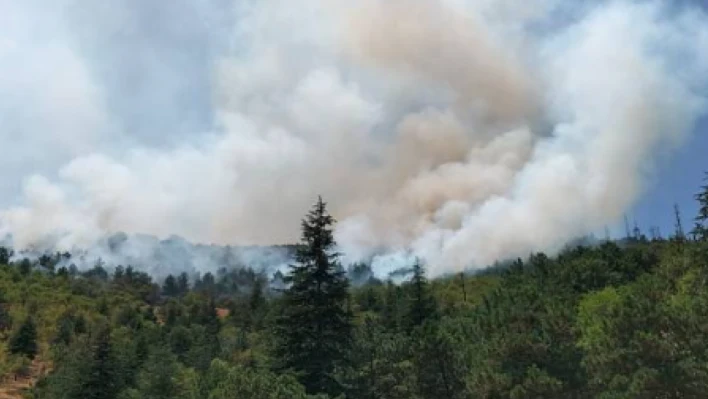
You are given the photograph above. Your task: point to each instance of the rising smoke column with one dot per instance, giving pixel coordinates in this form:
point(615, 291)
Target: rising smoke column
point(459, 131)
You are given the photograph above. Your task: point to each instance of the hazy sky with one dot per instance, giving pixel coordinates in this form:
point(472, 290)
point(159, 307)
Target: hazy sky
point(677, 179)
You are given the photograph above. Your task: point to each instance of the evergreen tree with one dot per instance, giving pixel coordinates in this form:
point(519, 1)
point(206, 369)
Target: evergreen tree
point(70, 373)
point(5, 317)
point(393, 307)
point(183, 283)
point(157, 377)
point(101, 382)
point(315, 328)
point(256, 302)
point(170, 287)
point(65, 329)
point(24, 341)
point(678, 225)
point(422, 304)
point(63, 272)
point(256, 299)
point(700, 231)
point(5, 255)
point(204, 316)
point(25, 267)
point(380, 366)
point(439, 369)
point(119, 274)
point(80, 324)
point(206, 284)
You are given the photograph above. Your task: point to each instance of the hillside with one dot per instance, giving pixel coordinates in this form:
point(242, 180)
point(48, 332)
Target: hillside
point(592, 322)
point(621, 319)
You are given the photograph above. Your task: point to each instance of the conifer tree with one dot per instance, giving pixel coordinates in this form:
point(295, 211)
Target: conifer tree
point(183, 283)
point(679, 235)
point(101, 382)
point(65, 329)
point(5, 317)
point(394, 307)
point(422, 304)
point(315, 328)
point(256, 302)
point(24, 341)
point(170, 287)
point(5, 256)
point(700, 231)
point(156, 380)
point(25, 267)
point(256, 299)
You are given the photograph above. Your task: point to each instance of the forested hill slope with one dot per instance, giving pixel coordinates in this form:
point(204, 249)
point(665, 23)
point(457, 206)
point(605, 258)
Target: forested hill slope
point(606, 321)
point(593, 322)
point(157, 257)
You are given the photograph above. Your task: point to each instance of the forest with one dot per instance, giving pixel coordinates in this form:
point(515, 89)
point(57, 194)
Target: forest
point(624, 318)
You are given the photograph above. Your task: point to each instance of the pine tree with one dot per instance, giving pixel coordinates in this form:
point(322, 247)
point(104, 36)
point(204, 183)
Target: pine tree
point(393, 307)
point(679, 235)
point(700, 232)
point(207, 317)
point(183, 283)
point(256, 301)
point(422, 304)
point(315, 328)
point(24, 341)
point(5, 317)
point(101, 381)
point(157, 377)
point(25, 267)
point(65, 329)
point(170, 287)
point(440, 370)
point(5, 256)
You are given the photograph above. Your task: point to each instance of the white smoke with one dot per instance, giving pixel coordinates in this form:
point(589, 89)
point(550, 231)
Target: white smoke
point(461, 131)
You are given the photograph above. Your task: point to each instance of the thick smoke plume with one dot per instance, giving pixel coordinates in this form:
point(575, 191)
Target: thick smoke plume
point(460, 131)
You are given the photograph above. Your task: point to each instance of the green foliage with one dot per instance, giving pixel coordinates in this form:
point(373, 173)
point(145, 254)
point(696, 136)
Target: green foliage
point(644, 338)
point(700, 231)
point(101, 381)
point(24, 341)
point(156, 379)
point(315, 328)
point(170, 288)
point(5, 319)
point(70, 374)
point(380, 364)
point(224, 382)
point(616, 320)
point(422, 306)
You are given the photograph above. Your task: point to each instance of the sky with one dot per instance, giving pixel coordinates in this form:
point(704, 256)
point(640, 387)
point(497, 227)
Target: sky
point(676, 179)
point(134, 92)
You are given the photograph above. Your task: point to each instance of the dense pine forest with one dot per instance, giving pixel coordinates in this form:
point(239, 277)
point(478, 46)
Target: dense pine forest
point(622, 319)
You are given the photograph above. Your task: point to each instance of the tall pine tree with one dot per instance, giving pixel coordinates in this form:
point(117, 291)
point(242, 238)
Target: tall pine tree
point(422, 303)
point(315, 327)
point(700, 231)
point(101, 381)
point(170, 286)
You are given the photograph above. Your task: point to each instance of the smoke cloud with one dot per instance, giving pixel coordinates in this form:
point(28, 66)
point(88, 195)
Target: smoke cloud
point(460, 131)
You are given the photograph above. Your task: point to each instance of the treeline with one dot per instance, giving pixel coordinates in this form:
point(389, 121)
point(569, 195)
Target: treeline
point(616, 320)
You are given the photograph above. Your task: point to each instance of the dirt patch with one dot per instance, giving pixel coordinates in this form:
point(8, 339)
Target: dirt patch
point(12, 386)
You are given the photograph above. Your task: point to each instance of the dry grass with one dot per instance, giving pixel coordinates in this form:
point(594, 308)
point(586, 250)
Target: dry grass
point(12, 386)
